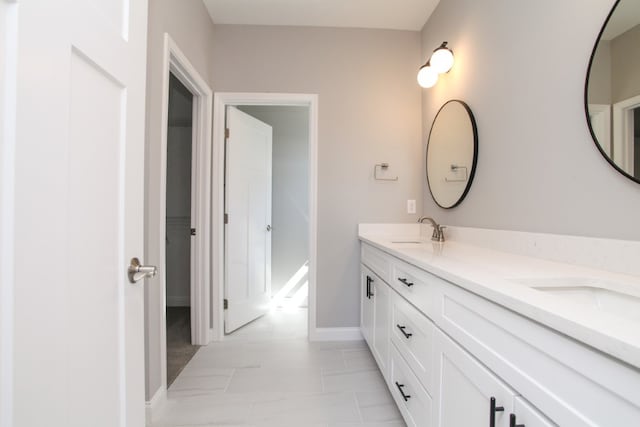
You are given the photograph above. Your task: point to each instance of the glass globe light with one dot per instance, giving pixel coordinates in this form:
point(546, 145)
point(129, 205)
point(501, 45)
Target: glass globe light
point(427, 76)
point(442, 59)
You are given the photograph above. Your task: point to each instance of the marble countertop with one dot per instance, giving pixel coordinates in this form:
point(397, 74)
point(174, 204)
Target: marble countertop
point(508, 279)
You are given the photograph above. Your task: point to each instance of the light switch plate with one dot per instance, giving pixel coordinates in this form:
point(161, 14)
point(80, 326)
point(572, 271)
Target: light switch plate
point(411, 206)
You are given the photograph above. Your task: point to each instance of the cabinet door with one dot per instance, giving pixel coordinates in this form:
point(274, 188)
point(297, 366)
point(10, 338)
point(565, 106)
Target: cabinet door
point(381, 321)
point(465, 389)
point(528, 416)
point(366, 304)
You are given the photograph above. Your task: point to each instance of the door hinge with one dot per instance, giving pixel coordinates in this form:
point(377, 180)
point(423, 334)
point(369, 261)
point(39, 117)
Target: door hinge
point(226, 304)
point(226, 218)
point(193, 231)
point(226, 133)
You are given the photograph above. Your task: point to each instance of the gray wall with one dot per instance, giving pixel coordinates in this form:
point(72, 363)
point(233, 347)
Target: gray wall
point(369, 112)
point(290, 190)
point(625, 60)
point(600, 75)
point(521, 68)
point(188, 23)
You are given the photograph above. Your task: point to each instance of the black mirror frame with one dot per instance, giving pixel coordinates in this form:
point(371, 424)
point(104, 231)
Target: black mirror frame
point(586, 99)
point(472, 172)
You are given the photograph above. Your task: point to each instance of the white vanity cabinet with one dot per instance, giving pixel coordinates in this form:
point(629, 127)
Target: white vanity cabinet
point(453, 351)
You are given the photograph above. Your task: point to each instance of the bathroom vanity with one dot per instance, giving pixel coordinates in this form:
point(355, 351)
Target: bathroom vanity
point(473, 334)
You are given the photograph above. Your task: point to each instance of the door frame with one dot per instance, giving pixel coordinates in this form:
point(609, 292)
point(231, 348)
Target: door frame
point(176, 63)
point(623, 144)
point(8, 84)
point(221, 101)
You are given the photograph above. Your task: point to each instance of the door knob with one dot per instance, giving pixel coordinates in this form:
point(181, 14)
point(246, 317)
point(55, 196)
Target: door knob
point(137, 272)
point(268, 228)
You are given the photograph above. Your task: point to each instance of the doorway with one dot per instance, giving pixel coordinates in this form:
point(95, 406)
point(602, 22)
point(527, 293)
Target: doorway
point(293, 204)
point(267, 208)
point(290, 203)
point(179, 69)
point(178, 262)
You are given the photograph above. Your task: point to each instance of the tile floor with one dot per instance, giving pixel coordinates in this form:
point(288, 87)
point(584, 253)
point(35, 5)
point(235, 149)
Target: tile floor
point(268, 374)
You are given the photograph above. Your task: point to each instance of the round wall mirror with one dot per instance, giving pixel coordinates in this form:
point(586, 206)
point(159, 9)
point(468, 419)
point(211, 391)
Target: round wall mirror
point(452, 152)
point(612, 89)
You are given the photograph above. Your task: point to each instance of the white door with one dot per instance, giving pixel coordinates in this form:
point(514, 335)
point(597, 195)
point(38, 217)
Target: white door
point(79, 177)
point(248, 212)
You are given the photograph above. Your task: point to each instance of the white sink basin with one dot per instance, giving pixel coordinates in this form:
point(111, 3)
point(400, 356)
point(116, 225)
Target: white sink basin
point(618, 299)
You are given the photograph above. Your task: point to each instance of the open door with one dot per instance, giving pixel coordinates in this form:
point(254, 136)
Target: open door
point(248, 219)
point(79, 185)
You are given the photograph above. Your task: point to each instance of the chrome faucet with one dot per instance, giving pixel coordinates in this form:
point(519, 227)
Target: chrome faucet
point(438, 234)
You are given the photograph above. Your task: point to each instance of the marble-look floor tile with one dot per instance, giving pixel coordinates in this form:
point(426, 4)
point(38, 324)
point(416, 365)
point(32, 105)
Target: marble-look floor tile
point(301, 380)
point(378, 406)
point(353, 379)
point(359, 358)
point(391, 424)
point(268, 374)
point(188, 385)
point(203, 411)
point(312, 408)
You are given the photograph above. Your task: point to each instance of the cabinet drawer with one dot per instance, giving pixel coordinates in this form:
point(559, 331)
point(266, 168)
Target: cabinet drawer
point(376, 260)
point(415, 285)
point(412, 399)
point(412, 333)
point(570, 383)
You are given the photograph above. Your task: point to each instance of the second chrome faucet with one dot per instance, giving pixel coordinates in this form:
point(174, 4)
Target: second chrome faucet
point(438, 234)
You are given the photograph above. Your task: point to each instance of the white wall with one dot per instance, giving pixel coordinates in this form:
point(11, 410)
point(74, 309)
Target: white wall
point(521, 67)
point(369, 112)
point(189, 25)
point(290, 192)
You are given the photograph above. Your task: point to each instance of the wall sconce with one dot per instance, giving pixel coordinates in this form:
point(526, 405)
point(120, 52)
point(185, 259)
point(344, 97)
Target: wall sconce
point(440, 62)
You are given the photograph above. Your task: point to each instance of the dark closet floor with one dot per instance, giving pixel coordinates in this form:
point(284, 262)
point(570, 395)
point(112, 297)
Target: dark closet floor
point(179, 348)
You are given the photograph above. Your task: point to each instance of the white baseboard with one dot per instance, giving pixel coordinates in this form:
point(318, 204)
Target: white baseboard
point(335, 334)
point(173, 301)
point(153, 406)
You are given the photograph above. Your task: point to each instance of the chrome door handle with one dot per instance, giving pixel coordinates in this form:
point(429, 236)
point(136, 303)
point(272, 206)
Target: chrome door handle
point(137, 272)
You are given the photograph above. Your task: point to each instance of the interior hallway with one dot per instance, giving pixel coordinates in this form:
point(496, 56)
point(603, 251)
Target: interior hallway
point(268, 374)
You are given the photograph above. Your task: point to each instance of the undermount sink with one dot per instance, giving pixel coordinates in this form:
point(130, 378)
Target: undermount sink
point(407, 241)
point(615, 298)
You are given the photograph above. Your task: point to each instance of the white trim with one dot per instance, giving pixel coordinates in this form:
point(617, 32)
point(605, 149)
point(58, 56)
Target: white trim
point(178, 301)
point(154, 406)
point(8, 78)
point(176, 63)
point(623, 133)
point(336, 334)
point(221, 100)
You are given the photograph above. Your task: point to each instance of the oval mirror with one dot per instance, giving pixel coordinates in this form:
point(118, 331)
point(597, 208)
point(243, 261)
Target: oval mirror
point(612, 89)
point(452, 151)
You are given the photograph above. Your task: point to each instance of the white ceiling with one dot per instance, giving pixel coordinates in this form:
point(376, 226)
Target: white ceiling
point(385, 14)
